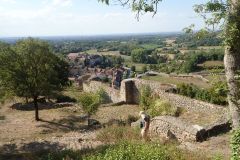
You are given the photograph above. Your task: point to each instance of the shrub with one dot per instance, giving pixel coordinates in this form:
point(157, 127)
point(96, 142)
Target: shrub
point(103, 96)
point(217, 94)
point(129, 150)
point(145, 97)
point(122, 151)
point(89, 102)
point(235, 145)
point(63, 98)
point(162, 107)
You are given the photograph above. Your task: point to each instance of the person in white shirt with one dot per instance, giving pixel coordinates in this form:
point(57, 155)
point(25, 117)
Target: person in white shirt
point(145, 123)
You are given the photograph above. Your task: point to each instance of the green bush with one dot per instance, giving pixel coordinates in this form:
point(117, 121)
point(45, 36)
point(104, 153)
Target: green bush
point(89, 102)
point(123, 151)
point(103, 96)
point(138, 151)
point(161, 108)
point(154, 106)
point(217, 94)
point(145, 97)
point(235, 145)
point(128, 151)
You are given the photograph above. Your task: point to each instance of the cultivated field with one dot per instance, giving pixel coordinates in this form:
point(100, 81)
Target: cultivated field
point(106, 53)
point(178, 80)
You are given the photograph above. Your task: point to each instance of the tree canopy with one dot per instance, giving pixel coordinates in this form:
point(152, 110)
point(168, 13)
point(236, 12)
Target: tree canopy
point(30, 69)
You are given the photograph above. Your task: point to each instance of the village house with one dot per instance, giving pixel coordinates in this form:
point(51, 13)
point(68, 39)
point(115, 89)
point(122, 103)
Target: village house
point(72, 56)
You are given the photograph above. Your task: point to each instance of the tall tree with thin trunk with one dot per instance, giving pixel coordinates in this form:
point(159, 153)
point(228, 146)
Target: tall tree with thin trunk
point(231, 59)
point(30, 69)
point(213, 12)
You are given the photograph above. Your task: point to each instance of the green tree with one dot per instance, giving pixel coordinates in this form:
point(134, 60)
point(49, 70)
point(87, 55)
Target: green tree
point(90, 103)
point(145, 97)
point(213, 13)
point(30, 69)
point(139, 55)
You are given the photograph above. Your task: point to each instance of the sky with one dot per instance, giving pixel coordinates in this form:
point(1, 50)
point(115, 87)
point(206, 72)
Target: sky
point(89, 17)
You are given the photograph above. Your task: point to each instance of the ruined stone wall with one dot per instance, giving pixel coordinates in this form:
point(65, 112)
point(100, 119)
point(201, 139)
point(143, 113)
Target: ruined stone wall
point(130, 94)
point(168, 126)
point(175, 99)
point(94, 86)
point(174, 128)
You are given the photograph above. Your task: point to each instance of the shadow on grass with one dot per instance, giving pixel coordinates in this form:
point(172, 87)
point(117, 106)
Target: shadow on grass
point(41, 106)
point(12, 151)
point(70, 123)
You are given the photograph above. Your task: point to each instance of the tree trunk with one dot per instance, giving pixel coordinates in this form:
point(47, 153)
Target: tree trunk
point(230, 71)
point(231, 63)
point(36, 109)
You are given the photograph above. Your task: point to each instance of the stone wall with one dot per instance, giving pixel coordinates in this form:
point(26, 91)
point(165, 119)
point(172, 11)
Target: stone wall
point(175, 128)
point(175, 99)
point(130, 90)
point(94, 86)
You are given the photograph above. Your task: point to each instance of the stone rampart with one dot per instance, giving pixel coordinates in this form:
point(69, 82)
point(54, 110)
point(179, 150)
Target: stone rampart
point(175, 128)
point(168, 126)
point(94, 86)
point(175, 99)
point(130, 90)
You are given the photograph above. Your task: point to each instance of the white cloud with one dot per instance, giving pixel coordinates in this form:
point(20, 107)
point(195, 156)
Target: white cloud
point(8, 1)
point(49, 8)
point(57, 17)
point(62, 3)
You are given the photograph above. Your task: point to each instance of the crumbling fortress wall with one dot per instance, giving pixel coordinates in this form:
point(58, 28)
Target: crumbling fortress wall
point(94, 86)
point(165, 125)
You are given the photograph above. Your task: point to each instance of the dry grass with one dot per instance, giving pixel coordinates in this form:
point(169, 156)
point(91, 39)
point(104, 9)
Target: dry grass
point(18, 124)
point(67, 126)
point(211, 64)
point(209, 47)
point(178, 80)
point(215, 78)
point(114, 134)
point(200, 118)
point(72, 92)
point(138, 66)
point(116, 113)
